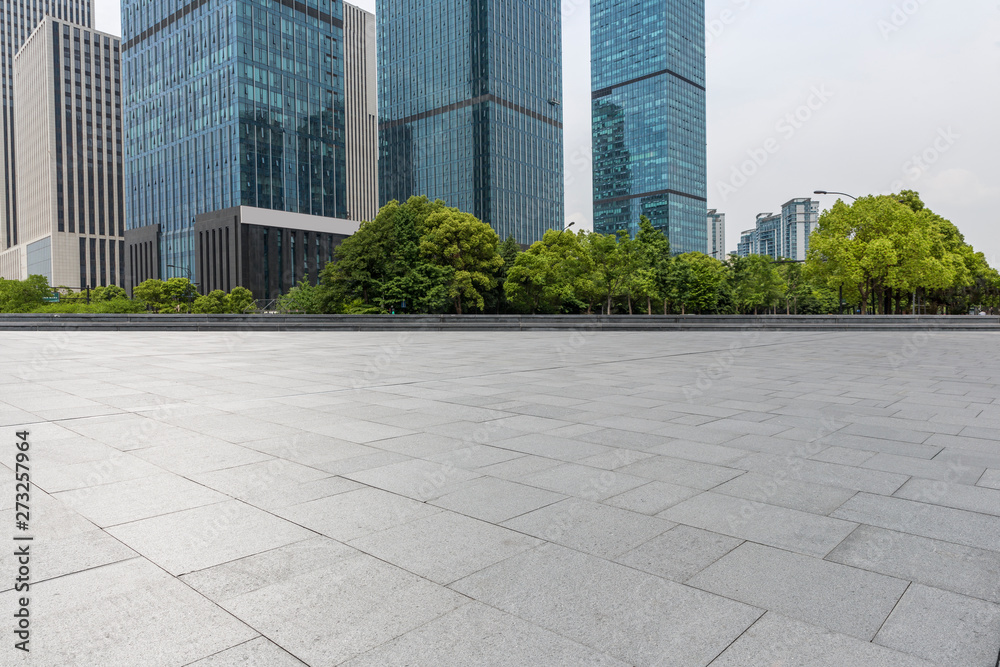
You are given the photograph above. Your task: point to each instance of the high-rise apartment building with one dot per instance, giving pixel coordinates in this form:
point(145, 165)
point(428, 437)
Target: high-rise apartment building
point(68, 129)
point(18, 19)
point(783, 235)
point(230, 103)
point(649, 118)
point(470, 107)
point(361, 95)
point(716, 229)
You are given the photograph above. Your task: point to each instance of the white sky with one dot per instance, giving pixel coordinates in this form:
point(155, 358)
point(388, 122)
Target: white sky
point(927, 88)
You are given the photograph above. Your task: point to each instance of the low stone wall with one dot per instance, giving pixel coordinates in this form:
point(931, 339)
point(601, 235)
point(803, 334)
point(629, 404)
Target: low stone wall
point(75, 322)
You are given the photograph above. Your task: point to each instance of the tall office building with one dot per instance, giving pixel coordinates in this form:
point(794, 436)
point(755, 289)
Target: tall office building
point(68, 129)
point(470, 109)
point(782, 235)
point(361, 95)
point(18, 19)
point(649, 118)
point(229, 103)
point(716, 229)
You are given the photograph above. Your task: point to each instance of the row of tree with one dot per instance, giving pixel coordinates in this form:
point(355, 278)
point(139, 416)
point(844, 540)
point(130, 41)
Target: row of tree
point(883, 254)
point(176, 295)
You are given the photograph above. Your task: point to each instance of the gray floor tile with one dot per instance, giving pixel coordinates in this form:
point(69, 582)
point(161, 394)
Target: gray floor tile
point(784, 492)
point(906, 516)
point(496, 500)
point(777, 640)
point(966, 570)
point(373, 602)
point(203, 456)
point(652, 498)
point(122, 502)
point(205, 536)
point(114, 615)
point(701, 452)
point(552, 447)
point(780, 527)
point(348, 516)
point(679, 553)
point(948, 629)
point(596, 529)
point(829, 474)
point(936, 469)
point(583, 481)
point(255, 653)
point(475, 635)
point(445, 547)
point(416, 478)
point(990, 479)
point(635, 617)
point(957, 496)
point(684, 473)
point(840, 598)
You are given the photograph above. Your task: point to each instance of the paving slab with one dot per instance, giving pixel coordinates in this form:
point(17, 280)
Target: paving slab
point(496, 500)
point(685, 473)
point(833, 596)
point(785, 492)
point(194, 539)
point(957, 496)
point(445, 547)
point(652, 498)
point(680, 553)
point(637, 618)
point(777, 640)
point(948, 629)
point(255, 653)
point(945, 565)
point(924, 519)
point(780, 527)
point(590, 527)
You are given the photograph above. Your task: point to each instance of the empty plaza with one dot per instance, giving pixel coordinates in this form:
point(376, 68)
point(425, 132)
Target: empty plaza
point(693, 499)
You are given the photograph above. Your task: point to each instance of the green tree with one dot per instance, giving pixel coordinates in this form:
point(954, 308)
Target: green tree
point(650, 276)
point(24, 296)
point(757, 283)
point(108, 293)
point(213, 303)
point(304, 298)
point(175, 295)
point(240, 301)
point(466, 245)
point(613, 258)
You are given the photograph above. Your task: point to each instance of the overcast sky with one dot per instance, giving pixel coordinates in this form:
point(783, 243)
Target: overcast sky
point(887, 81)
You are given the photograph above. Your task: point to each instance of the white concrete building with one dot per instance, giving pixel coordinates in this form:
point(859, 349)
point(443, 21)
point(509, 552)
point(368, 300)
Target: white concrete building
point(68, 130)
point(716, 235)
point(362, 113)
point(18, 20)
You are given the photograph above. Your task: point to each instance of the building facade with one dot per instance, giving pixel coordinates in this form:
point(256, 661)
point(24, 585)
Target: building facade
point(782, 235)
point(716, 229)
point(470, 108)
point(230, 103)
point(649, 118)
point(361, 96)
point(268, 252)
point(18, 19)
point(68, 129)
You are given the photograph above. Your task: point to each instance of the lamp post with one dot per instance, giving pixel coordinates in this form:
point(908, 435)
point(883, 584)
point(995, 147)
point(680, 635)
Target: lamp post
point(182, 268)
point(825, 192)
point(565, 228)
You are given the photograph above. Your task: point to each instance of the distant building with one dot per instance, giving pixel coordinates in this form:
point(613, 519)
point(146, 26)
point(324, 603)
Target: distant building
point(470, 107)
point(230, 103)
point(361, 95)
point(71, 221)
point(649, 118)
point(716, 234)
point(784, 235)
point(18, 19)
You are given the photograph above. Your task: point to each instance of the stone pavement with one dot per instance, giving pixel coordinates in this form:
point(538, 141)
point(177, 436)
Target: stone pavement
point(670, 499)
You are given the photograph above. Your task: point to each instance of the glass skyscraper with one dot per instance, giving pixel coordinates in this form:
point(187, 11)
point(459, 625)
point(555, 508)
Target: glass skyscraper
point(470, 109)
point(648, 82)
point(18, 19)
point(231, 103)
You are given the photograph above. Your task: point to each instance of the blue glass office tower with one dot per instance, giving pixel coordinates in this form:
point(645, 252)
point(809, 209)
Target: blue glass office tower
point(648, 78)
point(470, 109)
point(230, 103)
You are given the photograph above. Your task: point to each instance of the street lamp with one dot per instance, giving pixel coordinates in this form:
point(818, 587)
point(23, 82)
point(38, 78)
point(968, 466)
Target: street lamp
point(182, 268)
point(567, 227)
point(824, 192)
